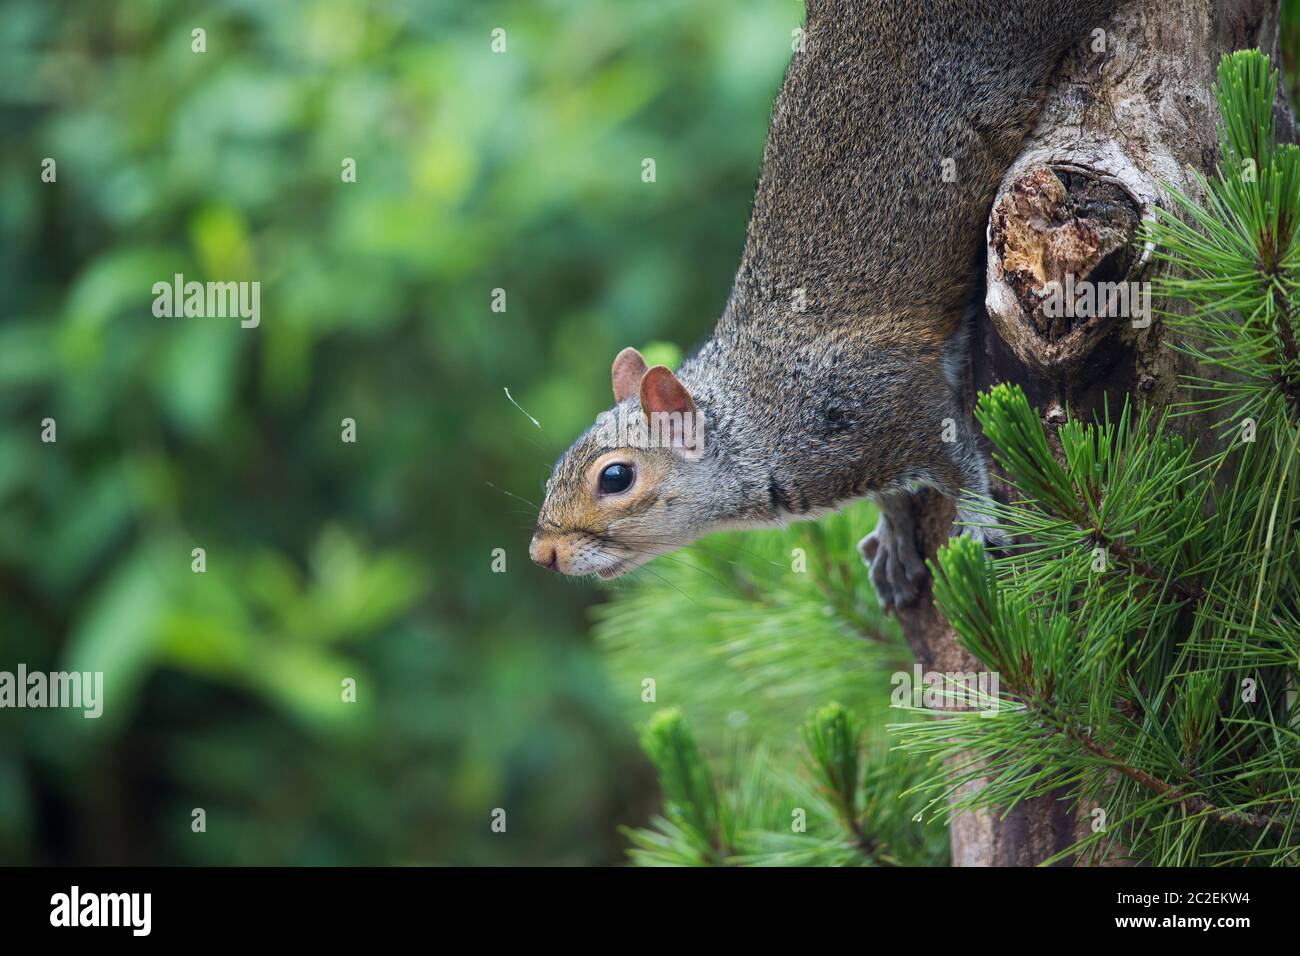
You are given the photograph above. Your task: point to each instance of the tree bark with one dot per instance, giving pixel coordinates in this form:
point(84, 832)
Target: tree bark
point(1130, 115)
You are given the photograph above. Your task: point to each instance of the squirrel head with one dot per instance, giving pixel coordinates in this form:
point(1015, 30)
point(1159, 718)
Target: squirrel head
point(635, 485)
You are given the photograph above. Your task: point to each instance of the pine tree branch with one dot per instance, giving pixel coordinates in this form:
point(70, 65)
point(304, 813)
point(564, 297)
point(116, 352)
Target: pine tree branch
point(1188, 591)
point(1290, 386)
point(1195, 802)
point(1284, 326)
point(1200, 805)
point(1032, 450)
point(864, 841)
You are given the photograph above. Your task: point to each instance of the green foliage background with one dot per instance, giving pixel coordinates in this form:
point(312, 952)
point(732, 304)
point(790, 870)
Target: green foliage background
point(475, 171)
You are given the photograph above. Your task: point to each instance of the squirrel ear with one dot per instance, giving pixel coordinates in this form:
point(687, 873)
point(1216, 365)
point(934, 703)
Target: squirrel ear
point(668, 405)
point(662, 392)
point(628, 368)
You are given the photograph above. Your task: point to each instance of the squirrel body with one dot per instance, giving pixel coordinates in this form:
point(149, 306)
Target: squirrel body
point(835, 371)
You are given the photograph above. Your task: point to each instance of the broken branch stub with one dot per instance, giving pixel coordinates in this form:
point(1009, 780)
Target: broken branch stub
point(1061, 248)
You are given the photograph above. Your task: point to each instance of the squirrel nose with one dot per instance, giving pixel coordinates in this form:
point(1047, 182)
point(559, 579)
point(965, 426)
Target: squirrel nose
point(545, 554)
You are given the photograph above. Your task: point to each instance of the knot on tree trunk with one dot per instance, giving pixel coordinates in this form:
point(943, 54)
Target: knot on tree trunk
point(1058, 233)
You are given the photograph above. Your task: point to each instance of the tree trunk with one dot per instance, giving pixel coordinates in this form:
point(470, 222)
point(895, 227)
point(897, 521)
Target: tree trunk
point(1131, 111)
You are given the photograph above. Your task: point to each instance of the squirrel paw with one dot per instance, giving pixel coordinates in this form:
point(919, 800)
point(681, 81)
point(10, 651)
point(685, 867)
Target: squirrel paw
point(897, 570)
point(980, 529)
point(991, 538)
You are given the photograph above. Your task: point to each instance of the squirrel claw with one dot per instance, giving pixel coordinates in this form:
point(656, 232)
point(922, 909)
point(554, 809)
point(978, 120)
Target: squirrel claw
point(897, 570)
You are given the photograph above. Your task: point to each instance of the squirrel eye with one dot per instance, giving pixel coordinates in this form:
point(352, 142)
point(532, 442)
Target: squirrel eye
point(615, 478)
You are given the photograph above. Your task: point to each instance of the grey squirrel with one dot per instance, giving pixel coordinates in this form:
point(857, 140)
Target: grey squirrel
point(835, 371)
